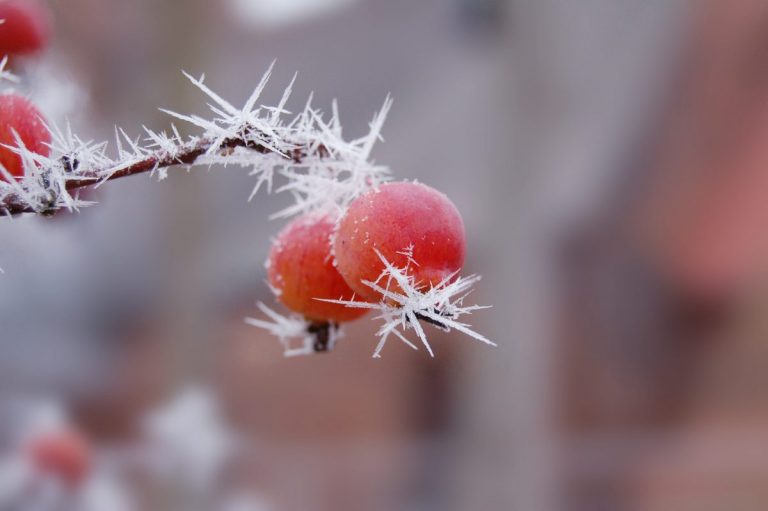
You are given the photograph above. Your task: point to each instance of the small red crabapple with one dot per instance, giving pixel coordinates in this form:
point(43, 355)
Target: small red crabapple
point(19, 115)
point(300, 269)
point(409, 224)
point(63, 454)
point(26, 28)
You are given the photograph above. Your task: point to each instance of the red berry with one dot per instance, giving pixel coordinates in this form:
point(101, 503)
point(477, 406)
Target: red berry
point(301, 269)
point(62, 454)
point(18, 114)
point(26, 27)
point(393, 219)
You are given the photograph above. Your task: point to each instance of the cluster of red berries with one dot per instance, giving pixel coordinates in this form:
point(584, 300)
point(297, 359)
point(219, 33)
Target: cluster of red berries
point(24, 30)
point(317, 256)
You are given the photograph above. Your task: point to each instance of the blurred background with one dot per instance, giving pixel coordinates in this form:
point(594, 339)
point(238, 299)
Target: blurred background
point(610, 158)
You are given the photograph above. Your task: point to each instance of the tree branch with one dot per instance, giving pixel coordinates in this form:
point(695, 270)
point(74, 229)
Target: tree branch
point(187, 154)
point(320, 167)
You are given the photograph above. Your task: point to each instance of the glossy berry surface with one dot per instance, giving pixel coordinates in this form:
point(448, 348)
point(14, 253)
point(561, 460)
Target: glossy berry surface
point(18, 114)
point(26, 28)
point(395, 219)
point(64, 455)
point(300, 269)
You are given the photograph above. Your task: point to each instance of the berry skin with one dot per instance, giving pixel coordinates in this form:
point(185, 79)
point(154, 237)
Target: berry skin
point(300, 269)
point(18, 114)
point(392, 219)
point(62, 454)
point(26, 29)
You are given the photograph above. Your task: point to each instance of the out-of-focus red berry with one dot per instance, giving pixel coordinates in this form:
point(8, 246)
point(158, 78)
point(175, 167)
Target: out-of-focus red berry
point(26, 28)
point(62, 454)
point(300, 269)
point(394, 219)
point(18, 114)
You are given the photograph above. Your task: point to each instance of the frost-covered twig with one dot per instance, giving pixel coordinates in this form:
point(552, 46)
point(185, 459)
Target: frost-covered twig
point(404, 303)
point(321, 169)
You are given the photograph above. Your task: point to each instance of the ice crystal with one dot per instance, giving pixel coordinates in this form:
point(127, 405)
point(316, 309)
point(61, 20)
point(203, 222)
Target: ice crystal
point(317, 166)
point(404, 303)
point(6, 75)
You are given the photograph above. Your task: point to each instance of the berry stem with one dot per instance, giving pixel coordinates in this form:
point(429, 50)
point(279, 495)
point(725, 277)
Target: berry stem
point(322, 334)
point(426, 319)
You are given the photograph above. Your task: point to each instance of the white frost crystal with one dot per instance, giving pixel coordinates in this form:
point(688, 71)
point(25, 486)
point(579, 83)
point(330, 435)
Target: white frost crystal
point(319, 169)
point(404, 305)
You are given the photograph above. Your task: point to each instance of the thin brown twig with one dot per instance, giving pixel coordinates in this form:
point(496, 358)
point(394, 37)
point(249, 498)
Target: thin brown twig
point(13, 204)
